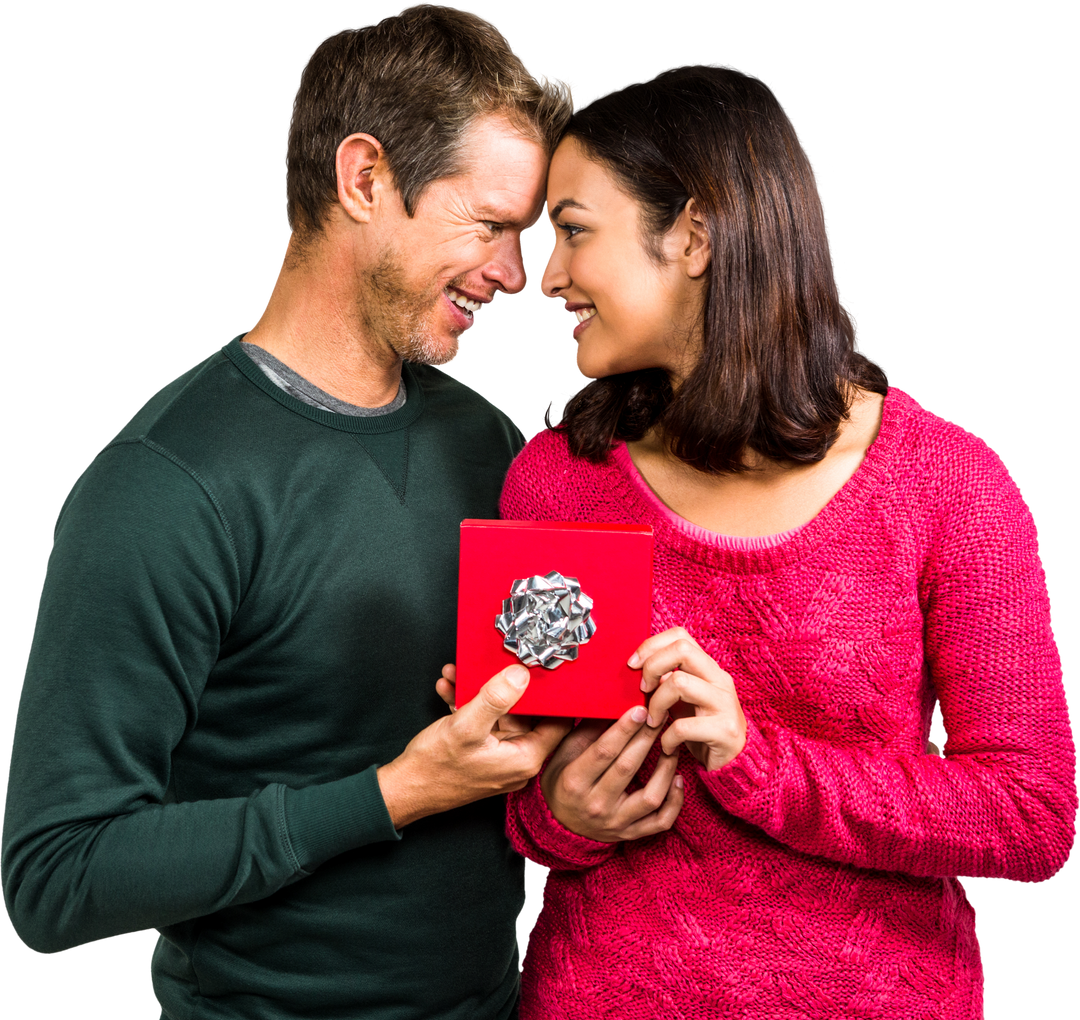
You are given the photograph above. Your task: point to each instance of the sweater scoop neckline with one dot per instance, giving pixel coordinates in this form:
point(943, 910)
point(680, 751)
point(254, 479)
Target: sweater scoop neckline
point(766, 553)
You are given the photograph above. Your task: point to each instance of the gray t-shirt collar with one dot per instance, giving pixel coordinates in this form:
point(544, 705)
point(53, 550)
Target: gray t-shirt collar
point(297, 386)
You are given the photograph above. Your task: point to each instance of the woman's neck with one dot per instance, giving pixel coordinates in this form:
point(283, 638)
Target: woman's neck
point(772, 496)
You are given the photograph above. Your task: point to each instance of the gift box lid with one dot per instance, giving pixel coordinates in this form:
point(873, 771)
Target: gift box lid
point(573, 598)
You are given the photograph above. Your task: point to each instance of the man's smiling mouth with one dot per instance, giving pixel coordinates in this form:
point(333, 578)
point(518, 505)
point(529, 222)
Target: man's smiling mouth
point(459, 299)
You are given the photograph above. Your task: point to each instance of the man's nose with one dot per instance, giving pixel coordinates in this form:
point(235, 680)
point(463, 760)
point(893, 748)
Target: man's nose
point(511, 270)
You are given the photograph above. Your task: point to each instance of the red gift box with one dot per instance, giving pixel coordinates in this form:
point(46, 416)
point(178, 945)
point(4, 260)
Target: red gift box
point(613, 565)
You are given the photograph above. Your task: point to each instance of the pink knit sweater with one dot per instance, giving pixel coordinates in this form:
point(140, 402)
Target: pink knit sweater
point(813, 875)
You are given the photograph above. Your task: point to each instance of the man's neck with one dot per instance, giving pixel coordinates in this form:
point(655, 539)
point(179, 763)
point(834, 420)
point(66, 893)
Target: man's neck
point(313, 326)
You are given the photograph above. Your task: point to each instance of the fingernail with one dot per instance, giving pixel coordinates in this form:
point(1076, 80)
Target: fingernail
point(651, 723)
point(678, 782)
point(518, 676)
point(634, 662)
point(644, 686)
point(638, 713)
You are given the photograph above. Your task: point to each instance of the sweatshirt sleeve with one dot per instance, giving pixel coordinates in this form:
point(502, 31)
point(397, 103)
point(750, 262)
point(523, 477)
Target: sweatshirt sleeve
point(1002, 801)
point(142, 584)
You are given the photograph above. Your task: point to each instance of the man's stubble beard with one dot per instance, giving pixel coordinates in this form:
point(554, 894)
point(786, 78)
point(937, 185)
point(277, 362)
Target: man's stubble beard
point(395, 314)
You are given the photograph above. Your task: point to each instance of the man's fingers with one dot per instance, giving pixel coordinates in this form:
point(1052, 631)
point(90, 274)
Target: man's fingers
point(511, 725)
point(445, 690)
point(547, 733)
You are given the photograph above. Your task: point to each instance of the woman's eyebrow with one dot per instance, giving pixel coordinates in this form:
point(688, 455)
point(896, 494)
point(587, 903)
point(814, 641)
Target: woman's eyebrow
point(566, 203)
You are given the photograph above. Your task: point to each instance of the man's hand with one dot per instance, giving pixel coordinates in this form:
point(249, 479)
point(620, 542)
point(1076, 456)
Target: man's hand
point(446, 688)
point(462, 757)
point(585, 781)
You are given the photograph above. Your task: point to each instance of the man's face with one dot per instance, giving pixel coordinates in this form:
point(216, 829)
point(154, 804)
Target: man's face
point(437, 268)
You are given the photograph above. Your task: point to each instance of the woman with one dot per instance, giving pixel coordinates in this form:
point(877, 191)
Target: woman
point(831, 560)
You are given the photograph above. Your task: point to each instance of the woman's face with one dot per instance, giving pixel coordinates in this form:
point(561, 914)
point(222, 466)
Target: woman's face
point(633, 312)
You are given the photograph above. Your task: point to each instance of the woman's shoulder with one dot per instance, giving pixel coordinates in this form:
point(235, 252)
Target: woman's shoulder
point(546, 478)
point(940, 446)
point(938, 463)
point(547, 456)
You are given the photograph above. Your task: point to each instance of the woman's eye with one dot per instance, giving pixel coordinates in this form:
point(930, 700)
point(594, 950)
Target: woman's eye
point(569, 229)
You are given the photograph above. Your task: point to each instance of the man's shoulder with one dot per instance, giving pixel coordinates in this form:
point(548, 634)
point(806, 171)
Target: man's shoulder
point(210, 386)
point(162, 452)
point(451, 399)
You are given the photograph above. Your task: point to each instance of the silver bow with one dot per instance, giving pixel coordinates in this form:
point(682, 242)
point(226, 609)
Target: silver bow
point(545, 619)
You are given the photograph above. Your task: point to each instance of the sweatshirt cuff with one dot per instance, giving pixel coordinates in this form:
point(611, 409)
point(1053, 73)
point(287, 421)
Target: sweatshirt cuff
point(325, 820)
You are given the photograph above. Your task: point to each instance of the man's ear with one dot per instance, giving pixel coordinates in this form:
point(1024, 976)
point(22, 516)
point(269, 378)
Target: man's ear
point(360, 163)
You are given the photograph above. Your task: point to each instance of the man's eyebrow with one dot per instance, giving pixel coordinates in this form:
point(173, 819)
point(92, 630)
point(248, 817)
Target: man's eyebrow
point(503, 217)
point(495, 215)
point(566, 203)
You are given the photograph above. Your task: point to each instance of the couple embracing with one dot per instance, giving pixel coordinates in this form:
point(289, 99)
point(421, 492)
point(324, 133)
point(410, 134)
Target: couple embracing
point(230, 728)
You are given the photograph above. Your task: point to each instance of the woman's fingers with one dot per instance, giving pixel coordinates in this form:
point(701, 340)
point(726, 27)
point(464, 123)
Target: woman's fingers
point(681, 653)
point(691, 690)
point(721, 737)
point(585, 787)
point(651, 796)
point(664, 817)
point(657, 641)
point(685, 654)
point(574, 744)
point(604, 752)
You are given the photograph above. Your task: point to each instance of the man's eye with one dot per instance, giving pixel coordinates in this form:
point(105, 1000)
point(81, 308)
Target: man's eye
point(495, 228)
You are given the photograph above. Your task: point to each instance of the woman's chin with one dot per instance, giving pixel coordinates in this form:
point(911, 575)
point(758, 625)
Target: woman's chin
point(590, 369)
point(588, 376)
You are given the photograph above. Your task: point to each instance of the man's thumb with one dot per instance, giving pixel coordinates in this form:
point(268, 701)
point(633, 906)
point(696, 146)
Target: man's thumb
point(498, 695)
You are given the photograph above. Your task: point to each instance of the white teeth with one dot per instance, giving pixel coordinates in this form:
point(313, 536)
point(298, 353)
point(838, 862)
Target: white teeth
point(584, 313)
point(462, 301)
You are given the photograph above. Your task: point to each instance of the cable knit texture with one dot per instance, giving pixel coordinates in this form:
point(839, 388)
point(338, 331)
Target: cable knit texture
point(814, 875)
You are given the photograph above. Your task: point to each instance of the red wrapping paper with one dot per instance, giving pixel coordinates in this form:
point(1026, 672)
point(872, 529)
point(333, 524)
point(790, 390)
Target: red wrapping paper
point(612, 562)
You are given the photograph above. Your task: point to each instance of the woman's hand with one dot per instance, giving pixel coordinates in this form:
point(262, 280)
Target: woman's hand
point(698, 694)
point(585, 781)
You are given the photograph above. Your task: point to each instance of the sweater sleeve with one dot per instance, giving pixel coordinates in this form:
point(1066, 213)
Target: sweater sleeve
point(142, 584)
point(534, 832)
point(1002, 801)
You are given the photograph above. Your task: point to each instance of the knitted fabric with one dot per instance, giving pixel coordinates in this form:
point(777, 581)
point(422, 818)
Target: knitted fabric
point(813, 876)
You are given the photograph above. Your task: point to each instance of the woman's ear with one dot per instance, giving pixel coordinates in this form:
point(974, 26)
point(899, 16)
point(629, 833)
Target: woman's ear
point(697, 252)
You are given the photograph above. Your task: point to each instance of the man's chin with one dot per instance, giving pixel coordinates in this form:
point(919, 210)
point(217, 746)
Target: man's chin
point(429, 350)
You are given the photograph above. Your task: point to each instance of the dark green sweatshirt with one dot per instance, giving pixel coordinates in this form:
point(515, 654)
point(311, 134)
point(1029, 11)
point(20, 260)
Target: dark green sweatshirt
point(247, 606)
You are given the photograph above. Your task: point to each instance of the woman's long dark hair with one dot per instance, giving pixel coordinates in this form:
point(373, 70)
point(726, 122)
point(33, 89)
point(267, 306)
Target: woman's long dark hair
point(778, 362)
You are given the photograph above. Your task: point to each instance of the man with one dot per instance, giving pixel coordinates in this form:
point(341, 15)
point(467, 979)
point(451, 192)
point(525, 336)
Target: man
point(229, 728)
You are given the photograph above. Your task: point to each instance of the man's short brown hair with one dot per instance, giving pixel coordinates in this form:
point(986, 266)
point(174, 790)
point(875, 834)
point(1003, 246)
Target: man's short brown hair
point(414, 82)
